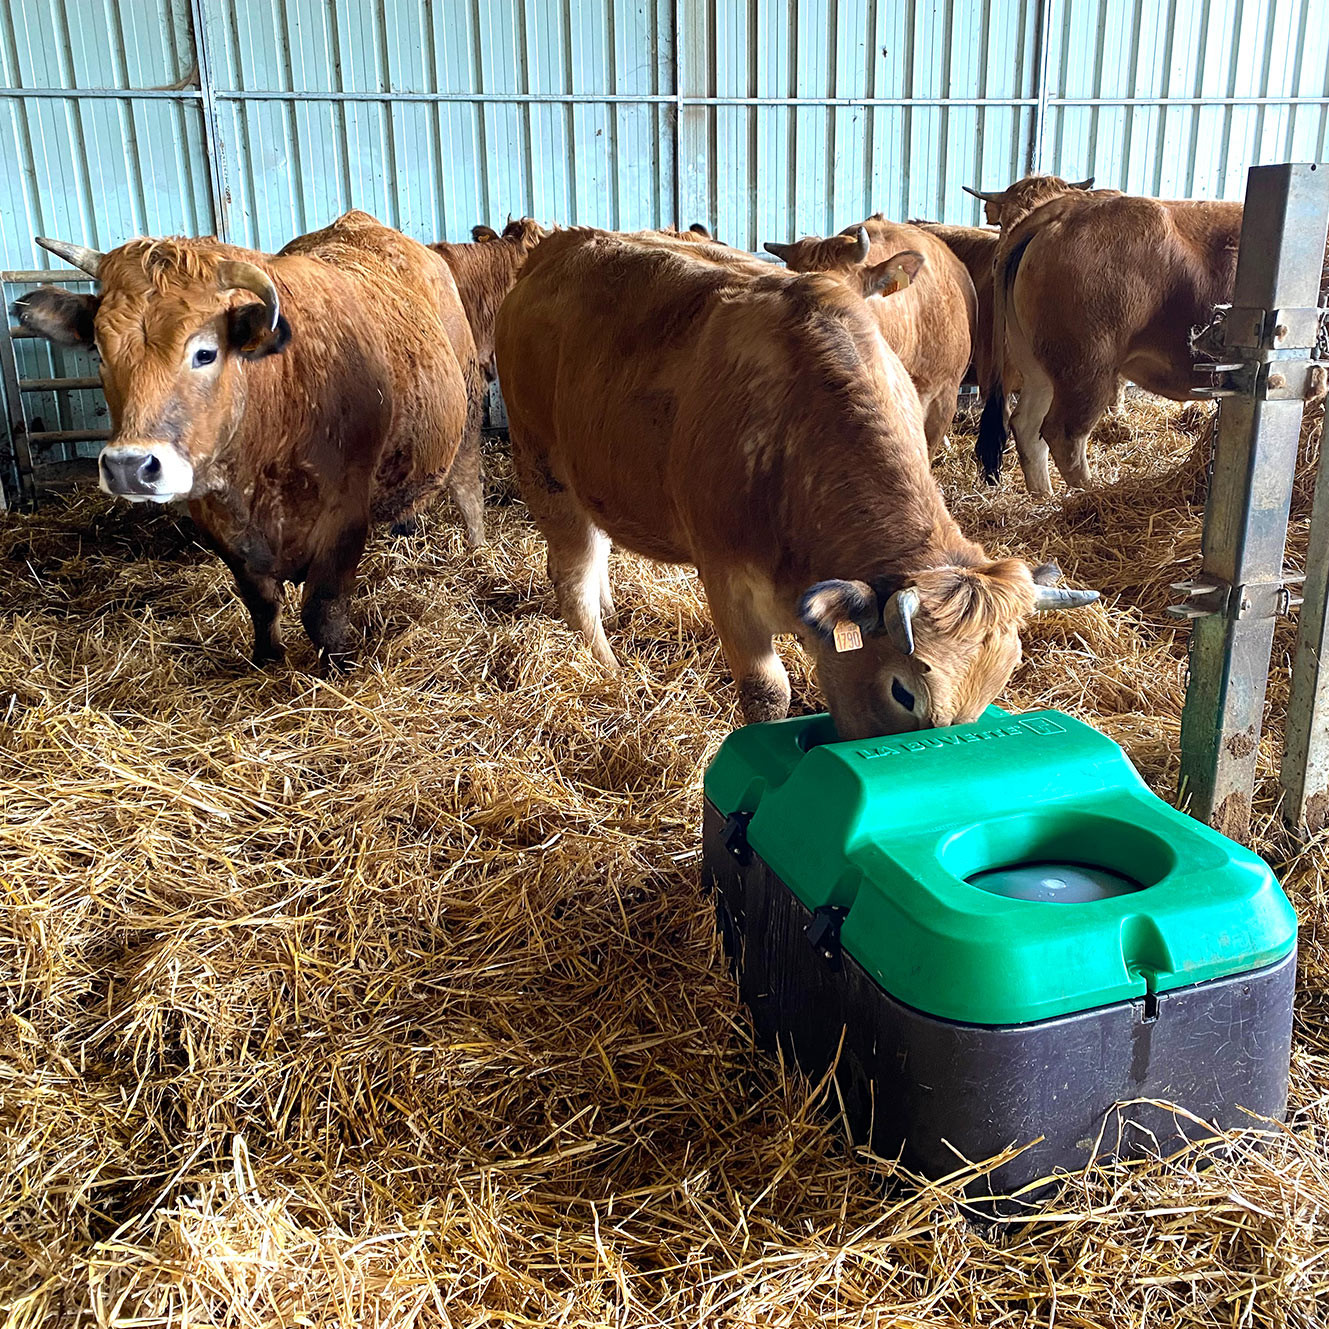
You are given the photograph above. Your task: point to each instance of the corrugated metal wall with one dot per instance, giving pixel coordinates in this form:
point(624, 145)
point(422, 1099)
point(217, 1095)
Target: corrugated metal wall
point(766, 119)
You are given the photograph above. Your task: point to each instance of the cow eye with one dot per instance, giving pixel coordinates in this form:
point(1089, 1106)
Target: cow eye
point(902, 694)
point(205, 355)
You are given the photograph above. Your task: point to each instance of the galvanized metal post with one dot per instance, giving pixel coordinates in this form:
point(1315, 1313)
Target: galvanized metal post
point(1042, 89)
point(1267, 335)
point(1305, 772)
point(221, 197)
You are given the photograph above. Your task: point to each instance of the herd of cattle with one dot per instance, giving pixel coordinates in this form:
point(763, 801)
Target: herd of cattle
point(772, 426)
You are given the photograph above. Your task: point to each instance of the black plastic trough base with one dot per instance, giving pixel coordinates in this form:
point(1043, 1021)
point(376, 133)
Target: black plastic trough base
point(937, 1092)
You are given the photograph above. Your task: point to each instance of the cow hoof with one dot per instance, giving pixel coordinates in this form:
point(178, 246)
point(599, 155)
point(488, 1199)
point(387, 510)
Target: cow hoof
point(407, 526)
point(261, 659)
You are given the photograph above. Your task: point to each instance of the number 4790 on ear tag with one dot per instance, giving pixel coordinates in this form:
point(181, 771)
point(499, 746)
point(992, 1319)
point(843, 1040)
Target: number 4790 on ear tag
point(848, 637)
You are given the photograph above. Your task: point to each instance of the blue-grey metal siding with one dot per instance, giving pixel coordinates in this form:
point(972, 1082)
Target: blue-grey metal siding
point(765, 119)
point(774, 117)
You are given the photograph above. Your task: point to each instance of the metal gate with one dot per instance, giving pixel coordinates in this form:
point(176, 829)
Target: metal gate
point(765, 119)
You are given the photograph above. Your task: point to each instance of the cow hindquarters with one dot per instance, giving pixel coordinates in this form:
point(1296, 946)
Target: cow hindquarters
point(744, 629)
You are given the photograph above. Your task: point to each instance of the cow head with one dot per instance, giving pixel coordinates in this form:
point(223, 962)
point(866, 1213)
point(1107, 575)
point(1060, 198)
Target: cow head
point(925, 651)
point(172, 323)
point(835, 253)
point(846, 256)
point(1007, 206)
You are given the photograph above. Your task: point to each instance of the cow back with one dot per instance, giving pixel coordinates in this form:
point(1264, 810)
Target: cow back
point(701, 403)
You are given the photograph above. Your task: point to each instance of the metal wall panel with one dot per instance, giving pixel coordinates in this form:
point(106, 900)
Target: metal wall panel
point(98, 165)
point(765, 119)
point(1177, 98)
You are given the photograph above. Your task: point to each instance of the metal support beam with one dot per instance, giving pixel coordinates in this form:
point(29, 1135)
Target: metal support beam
point(1305, 771)
point(1268, 334)
point(221, 195)
point(1042, 89)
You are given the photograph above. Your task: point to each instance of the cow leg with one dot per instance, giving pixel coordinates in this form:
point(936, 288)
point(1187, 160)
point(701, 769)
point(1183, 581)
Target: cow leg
point(329, 584)
point(262, 596)
point(467, 487)
point(606, 591)
point(749, 650)
point(578, 551)
point(937, 418)
point(1070, 422)
point(1027, 425)
point(579, 569)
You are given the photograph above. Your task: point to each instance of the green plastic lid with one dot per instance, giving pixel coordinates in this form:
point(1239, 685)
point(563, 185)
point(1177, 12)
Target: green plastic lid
point(892, 829)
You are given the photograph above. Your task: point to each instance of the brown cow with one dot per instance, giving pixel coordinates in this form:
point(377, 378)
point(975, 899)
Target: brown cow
point(975, 247)
point(1005, 207)
point(930, 326)
point(289, 421)
point(1090, 286)
point(484, 271)
point(753, 422)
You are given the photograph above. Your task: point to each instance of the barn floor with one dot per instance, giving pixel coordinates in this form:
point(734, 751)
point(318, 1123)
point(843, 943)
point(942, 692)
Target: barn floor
point(394, 1001)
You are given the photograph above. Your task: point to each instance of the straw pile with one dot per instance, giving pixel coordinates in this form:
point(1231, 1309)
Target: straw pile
point(395, 1001)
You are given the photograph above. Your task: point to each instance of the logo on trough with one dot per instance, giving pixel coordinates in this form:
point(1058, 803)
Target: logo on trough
point(1038, 725)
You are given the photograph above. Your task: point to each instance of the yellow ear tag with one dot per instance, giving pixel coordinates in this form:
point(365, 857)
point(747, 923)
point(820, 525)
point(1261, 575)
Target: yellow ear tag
point(900, 282)
point(848, 637)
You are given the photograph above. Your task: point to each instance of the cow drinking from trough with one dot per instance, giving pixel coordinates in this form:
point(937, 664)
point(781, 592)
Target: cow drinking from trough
point(1090, 286)
point(930, 325)
point(290, 399)
point(753, 422)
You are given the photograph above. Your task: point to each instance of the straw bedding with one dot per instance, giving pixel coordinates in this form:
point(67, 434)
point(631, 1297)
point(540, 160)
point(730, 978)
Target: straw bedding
point(394, 1000)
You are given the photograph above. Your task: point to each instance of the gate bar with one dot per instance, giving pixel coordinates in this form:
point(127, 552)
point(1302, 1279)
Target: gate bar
point(1239, 592)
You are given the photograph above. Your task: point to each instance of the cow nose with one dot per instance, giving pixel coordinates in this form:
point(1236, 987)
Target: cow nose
point(130, 472)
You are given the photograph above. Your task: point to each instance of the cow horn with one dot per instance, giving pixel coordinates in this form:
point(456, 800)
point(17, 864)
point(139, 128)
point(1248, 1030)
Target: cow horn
point(778, 250)
point(864, 246)
point(83, 258)
point(1058, 597)
point(237, 275)
point(897, 617)
point(998, 197)
point(1086, 183)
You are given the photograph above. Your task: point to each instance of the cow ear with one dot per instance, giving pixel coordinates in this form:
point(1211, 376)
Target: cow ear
point(698, 229)
point(830, 604)
point(58, 315)
point(895, 274)
point(483, 233)
point(1046, 574)
point(249, 334)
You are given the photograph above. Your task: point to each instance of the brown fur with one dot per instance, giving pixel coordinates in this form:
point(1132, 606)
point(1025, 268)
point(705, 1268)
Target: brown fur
point(484, 272)
point(358, 418)
point(762, 431)
point(930, 326)
point(1092, 285)
point(976, 248)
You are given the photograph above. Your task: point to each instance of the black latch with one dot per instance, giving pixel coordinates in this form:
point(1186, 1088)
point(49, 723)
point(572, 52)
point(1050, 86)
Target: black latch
point(824, 932)
point(734, 837)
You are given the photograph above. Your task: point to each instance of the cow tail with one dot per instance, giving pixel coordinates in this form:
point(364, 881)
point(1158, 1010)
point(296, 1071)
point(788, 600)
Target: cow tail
point(991, 446)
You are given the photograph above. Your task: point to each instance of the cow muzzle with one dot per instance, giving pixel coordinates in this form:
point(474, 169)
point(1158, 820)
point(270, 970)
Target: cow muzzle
point(145, 473)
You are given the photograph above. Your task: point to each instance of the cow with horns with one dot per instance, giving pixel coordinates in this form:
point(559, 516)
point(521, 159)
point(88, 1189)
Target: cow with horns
point(924, 304)
point(1090, 286)
point(753, 422)
point(291, 400)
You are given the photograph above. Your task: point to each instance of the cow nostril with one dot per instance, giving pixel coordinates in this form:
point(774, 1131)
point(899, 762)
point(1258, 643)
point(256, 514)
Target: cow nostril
point(150, 469)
